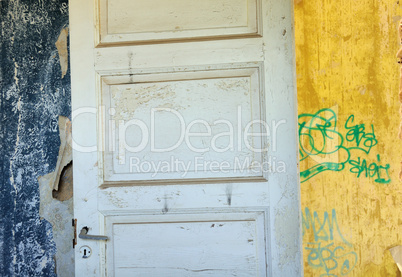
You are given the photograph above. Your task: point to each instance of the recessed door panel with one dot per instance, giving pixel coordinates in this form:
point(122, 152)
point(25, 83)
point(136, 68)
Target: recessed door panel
point(138, 21)
point(184, 125)
point(203, 244)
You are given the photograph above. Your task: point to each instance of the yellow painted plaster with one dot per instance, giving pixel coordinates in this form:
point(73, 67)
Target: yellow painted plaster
point(346, 61)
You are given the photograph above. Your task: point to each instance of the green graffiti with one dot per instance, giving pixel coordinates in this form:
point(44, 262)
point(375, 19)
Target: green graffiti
point(321, 142)
point(322, 230)
point(314, 170)
point(323, 254)
point(373, 170)
point(318, 136)
point(364, 141)
point(328, 257)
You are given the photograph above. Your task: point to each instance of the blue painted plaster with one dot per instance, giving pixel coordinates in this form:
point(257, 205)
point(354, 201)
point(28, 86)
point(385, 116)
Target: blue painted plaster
point(33, 95)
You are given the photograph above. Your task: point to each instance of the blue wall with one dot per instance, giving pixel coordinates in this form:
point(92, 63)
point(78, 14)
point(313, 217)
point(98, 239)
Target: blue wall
point(33, 95)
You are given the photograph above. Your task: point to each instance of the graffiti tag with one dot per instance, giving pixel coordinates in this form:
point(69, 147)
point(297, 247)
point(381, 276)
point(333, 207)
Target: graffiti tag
point(321, 141)
point(322, 252)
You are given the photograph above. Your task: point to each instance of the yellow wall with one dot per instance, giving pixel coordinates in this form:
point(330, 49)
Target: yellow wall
point(348, 84)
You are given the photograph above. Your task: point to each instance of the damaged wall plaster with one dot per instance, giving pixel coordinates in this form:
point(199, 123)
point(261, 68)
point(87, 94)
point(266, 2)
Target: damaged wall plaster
point(65, 188)
point(32, 96)
point(56, 202)
point(65, 151)
point(345, 58)
point(61, 45)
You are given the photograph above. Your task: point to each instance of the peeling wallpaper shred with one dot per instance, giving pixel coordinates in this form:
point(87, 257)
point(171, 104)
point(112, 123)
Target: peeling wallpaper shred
point(347, 80)
point(33, 95)
point(56, 202)
point(61, 45)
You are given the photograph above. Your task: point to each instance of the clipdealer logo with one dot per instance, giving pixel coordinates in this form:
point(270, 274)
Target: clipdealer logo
point(231, 145)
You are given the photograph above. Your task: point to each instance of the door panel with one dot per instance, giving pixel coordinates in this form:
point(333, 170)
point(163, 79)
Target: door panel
point(136, 21)
point(197, 121)
point(184, 132)
point(224, 244)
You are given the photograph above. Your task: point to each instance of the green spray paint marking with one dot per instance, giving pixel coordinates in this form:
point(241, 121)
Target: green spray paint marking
point(364, 141)
point(325, 253)
point(321, 142)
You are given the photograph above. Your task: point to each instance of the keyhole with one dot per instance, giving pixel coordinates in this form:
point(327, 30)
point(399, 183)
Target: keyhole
point(85, 251)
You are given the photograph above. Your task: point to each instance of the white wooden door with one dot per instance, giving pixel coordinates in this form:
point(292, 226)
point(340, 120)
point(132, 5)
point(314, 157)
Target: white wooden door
point(185, 143)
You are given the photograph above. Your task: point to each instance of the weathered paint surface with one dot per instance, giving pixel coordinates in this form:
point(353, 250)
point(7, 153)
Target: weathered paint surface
point(33, 95)
point(350, 154)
